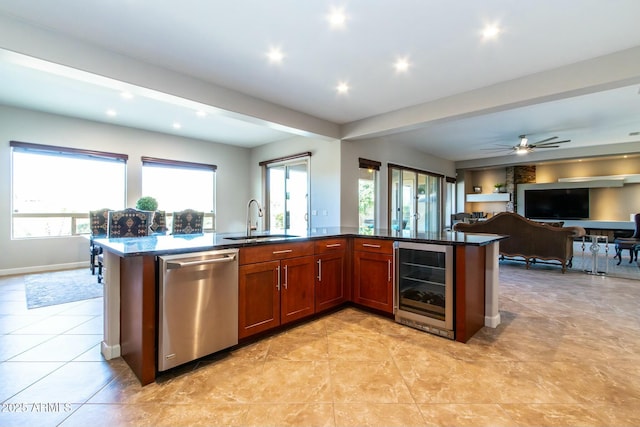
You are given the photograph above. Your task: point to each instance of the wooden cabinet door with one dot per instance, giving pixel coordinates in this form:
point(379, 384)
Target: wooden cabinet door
point(373, 280)
point(296, 288)
point(330, 280)
point(258, 298)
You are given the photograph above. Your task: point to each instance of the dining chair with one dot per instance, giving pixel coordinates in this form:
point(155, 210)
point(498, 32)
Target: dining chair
point(460, 217)
point(632, 243)
point(187, 221)
point(159, 222)
point(98, 228)
point(129, 222)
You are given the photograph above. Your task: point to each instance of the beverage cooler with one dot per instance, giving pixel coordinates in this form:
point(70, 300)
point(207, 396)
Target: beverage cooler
point(424, 287)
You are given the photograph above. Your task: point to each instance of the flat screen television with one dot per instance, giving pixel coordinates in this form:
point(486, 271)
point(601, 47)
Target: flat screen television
point(566, 203)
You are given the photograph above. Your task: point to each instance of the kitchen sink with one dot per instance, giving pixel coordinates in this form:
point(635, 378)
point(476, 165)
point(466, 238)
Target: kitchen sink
point(261, 237)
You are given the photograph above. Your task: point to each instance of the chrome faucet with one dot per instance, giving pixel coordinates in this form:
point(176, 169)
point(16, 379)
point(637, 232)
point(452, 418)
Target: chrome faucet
point(250, 227)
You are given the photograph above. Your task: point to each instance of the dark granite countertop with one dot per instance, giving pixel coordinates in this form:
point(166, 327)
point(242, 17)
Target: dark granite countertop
point(175, 244)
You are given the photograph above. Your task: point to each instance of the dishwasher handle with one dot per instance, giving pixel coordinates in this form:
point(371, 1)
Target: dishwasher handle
point(181, 264)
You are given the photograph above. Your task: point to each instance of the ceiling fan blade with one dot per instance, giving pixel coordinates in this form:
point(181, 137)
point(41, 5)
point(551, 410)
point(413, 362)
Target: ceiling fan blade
point(498, 148)
point(544, 140)
point(545, 146)
point(551, 143)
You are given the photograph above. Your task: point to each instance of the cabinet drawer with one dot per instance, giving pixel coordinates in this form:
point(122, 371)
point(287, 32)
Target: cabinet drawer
point(275, 251)
point(373, 245)
point(330, 245)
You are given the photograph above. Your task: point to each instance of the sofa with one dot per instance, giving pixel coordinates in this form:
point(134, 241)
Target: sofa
point(531, 240)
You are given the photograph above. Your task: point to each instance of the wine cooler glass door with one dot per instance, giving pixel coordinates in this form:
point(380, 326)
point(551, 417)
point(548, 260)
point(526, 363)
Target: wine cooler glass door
point(424, 283)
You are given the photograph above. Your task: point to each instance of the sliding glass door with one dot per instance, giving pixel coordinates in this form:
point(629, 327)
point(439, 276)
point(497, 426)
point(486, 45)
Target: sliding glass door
point(415, 200)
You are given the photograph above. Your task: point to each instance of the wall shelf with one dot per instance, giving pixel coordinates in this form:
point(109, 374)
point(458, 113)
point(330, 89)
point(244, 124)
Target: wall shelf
point(491, 197)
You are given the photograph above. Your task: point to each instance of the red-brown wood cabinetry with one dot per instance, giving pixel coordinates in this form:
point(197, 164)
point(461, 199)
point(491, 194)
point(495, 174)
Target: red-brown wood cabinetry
point(275, 286)
point(373, 273)
point(331, 273)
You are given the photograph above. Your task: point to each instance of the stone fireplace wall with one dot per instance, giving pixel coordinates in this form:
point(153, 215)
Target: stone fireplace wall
point(518, 175)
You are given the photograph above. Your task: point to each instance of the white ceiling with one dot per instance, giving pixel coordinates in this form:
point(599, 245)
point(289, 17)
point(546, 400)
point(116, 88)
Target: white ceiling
point(225, 43)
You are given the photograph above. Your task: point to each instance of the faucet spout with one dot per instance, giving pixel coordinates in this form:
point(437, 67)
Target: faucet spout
point(250, 227)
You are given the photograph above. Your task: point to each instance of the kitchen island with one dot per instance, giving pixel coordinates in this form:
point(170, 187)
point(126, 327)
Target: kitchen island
point(364, 273)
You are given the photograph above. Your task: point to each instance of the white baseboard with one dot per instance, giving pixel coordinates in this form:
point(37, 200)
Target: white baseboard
point(43, 268)
point(110, 351)
point(492, 321)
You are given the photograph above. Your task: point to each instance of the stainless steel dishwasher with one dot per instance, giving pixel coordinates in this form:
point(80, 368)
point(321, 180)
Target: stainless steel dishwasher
point(198, 305)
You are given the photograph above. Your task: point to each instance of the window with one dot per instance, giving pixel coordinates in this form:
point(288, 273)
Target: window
point(180, 185)
point(54, 188)
point(416, 202)
point(367, 191)
point(287, 193)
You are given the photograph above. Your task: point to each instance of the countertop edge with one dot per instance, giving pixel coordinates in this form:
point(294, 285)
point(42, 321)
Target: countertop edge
point(148, 246)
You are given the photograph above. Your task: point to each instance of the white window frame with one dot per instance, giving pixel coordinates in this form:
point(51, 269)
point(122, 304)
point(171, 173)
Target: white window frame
point(296, 159)
point(371, 167)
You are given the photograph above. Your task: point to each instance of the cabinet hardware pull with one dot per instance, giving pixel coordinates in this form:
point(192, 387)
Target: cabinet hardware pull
point(286, 277)
point(286, 251)
point(319, 270)
point(278, 281)
point(389, 271)
point(334, 245)
point(369, 245)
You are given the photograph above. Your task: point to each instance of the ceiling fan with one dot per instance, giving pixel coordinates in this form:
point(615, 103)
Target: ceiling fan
point(525, 147)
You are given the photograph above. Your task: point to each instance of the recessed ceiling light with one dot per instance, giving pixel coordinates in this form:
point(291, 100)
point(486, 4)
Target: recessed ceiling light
point(201, 113)
point(275, 55)
point(111, 113)
point(337, 18)
point(177, 125)
point(401, 65)
point(490, 32)
point(126, 95)
point(342, 88)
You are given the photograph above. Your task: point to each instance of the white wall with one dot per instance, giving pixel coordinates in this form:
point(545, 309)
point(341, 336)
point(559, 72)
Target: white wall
point(385, 152)
point(334, 177)
point(324, 169)
point(18, 256)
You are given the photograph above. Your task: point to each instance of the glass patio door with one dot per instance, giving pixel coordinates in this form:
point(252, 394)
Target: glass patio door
point(287, 196)
point(415, 201)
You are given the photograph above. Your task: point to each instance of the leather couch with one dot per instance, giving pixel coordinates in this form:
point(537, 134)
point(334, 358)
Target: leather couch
point(531, 240)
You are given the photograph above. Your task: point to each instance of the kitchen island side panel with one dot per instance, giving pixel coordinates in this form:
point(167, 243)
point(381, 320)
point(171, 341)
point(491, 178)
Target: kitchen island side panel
point(469, 291)
point(138, 315)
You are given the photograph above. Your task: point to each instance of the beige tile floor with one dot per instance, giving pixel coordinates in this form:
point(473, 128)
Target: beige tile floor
point(566, 354)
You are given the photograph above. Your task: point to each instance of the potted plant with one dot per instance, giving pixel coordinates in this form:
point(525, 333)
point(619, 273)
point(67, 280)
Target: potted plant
point(147, 203)
point(498, 187)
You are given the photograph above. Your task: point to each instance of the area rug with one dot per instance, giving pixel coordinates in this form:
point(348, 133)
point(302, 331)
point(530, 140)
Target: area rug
point(61, 287)
point(583, 261)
